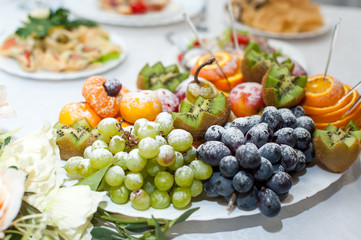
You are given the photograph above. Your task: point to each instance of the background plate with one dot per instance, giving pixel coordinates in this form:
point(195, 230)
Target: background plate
point(90, 9)
point(12, 66)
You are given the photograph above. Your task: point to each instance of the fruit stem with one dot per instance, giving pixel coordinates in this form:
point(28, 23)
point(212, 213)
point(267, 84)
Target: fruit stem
point(209, 62)
point(231, 201)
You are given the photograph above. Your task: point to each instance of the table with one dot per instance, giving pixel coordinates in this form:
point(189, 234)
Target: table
point(334, 213)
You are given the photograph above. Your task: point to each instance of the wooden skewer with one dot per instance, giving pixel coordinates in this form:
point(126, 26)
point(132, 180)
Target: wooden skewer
point(230, 13)
point(194, 30)
point(332, 45)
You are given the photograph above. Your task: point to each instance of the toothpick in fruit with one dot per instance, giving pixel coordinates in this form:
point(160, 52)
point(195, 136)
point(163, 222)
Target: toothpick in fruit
point(332, 45)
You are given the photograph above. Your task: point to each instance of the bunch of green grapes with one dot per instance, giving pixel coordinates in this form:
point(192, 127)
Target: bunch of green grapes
point(160, 169)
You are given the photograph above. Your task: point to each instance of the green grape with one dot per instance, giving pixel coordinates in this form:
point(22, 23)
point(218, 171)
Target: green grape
point(159, 199)
point(87, 152)
point(153, 167)
point(101, 158)
point(99, 144)
point(133, 181)
point(184, 176)
point(135, 162)
point(148, 185)
point(119, 195)
point(190, 155)
point(120, 159)
point(71, 166)
point(201, 170)
point(180, 139)
point(117, 144)
point(138, 123)
point(181, 197)
point(109, 127)
point(114, 176)
point(148, 147)
point(165, 121)
point(104, 139)
point(161, 140)
point(178, 162)
point(163, 181)
point(196, 188)
point(144, 172)
point(166, 155)
point(140, 199)
point(85, 169)
point(147, 130)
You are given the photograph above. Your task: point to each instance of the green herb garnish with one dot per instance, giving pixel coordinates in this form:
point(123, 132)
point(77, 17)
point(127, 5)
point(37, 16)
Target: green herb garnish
point(40, 26)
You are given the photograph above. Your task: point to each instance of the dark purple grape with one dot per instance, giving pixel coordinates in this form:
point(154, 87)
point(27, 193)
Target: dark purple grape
point(209, 186)
point(242, 124)
point(112, 87)
point(227, 125)
point(283, 196)
point(229, 166)
point(212, 152)
point(303, 138)
point(272, 117)
point(301, 161)
point(309, 152)
point(259, 135)
point(288, 119)
point(278, 168)
point(254, 120)
point(280, 182)
point(243, 181)
point(224, 186)
point(269, 203)
point(214, 133)
point(248, 156)
point(306, 123)
point(298, 111)
point(288, 157)
point(285, 136)
point(264, 171)
point(248, 200)
point(271, 151)
point(233, 138)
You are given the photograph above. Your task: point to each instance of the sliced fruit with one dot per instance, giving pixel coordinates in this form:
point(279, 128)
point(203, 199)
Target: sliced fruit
point(234, 80)
point(159, 76)
point(73, 141)
point(337, 149)
point(322, 92)
point(196, 118)
point(230, 64)
point(281, 89)
point(72, 112)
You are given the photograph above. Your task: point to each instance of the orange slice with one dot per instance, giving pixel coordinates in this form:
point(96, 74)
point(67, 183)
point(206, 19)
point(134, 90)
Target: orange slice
point(230, 64)
point(310, 110)
point(233, 81)
point(323, 93)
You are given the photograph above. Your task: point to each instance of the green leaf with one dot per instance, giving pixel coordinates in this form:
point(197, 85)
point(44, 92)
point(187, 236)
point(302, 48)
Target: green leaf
point(7, 140)
point(158, 232)
point(183, 217)
point(108, 56)
point(138, 227)
point(99, 233)
point(93, 181)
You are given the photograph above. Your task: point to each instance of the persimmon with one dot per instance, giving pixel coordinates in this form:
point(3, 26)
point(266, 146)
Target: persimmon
point(74, 111)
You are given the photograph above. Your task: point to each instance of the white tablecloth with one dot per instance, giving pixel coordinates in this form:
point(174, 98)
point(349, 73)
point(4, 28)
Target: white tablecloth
point(334, 213)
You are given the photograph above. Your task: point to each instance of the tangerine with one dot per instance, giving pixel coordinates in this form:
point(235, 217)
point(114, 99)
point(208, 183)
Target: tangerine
point(74, 111)
point(142, 104)
point(103, 95)
point(322, 92)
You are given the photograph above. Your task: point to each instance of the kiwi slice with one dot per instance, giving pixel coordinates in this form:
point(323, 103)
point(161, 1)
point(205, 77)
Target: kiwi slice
point(281, 88)
point(158, 76)
point(197, 117)
point(72, 140)
point(337, 148)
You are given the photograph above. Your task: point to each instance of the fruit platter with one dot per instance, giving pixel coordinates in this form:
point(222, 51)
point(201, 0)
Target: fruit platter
point(231, 127)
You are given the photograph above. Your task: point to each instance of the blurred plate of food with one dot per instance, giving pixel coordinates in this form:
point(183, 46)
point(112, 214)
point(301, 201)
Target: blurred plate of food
point(52, 47)
point(137, 13)
point(284, 19)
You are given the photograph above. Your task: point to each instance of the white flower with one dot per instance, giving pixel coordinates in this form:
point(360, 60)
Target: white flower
point(11, 194)
point(72, 209)
point(6, 111)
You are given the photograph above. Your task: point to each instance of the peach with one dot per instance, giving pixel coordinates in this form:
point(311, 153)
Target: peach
point(246, 99)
